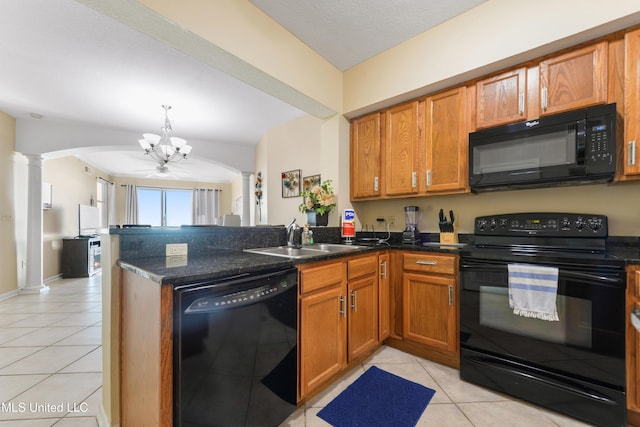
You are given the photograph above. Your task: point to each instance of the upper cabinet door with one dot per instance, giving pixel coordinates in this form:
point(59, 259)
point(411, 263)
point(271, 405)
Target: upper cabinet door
point(402, 136)
point(631, 151)
point(365, 157)
point(574, 80)
point(446, 142)
point(501, 99)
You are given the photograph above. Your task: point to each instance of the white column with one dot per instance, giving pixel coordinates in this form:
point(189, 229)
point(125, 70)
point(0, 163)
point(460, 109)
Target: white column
point(246, 198)
point(35, 282)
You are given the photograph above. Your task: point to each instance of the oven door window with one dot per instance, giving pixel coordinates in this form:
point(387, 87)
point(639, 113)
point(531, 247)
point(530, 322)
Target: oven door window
point(574, 327)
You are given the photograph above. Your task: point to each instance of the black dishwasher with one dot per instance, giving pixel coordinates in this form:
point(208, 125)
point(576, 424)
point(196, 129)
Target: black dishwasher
point(235, 345)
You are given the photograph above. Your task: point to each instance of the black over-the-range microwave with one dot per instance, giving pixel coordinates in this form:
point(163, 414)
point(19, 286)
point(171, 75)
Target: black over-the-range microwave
point(567, 148)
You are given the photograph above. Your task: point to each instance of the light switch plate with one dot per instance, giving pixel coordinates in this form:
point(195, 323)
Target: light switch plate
point(173, 249)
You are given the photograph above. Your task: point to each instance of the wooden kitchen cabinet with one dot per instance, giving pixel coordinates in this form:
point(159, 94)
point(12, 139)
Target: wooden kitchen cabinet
point(403, 135)
point(502, 99)
point(631, 148)
point(146, 352)
point(446, 165)
point(323, 333)
point(384, 297)
point(362, 316)
point(574, 80)
point(365, 161)
point(633, 346)
point(430, 302)
point(338, 317)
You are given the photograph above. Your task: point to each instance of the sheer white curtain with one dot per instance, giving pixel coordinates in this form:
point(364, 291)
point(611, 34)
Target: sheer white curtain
point(205, 205)
point(131, 205)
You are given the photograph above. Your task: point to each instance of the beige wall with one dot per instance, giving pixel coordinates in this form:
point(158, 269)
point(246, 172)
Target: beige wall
point(8, 254)
point(73, 182)
point(262, 53)
point(620, 202)
point(492, 36)
point(294, 145)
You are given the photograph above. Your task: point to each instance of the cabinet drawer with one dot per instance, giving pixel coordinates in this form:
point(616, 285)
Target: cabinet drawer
point(429, 262)
point(313, 278)
point(361, 267)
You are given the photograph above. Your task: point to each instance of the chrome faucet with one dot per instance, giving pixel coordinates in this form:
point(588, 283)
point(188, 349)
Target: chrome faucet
point(291, 233)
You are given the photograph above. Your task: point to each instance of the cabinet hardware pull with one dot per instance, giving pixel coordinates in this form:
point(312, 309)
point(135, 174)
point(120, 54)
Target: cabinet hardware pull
point(521, 103)
point(631, 161)
point(428, 177)
point(383, 269)
point(375, 183)
point(414, 180)
point(450, 295)
point(544, 98)
point(342, 313)
point(423, 262)
point(354, 301)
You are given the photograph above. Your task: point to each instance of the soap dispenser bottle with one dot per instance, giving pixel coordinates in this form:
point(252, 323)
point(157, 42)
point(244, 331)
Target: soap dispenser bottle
point(307, 236)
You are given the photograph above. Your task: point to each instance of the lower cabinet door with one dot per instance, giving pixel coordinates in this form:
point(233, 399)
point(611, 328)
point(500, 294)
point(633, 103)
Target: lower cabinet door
point(429, 316)
point(323, 337)
point(363, 316)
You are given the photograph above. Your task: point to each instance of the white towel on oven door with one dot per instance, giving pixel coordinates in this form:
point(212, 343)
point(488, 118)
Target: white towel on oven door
point(533, 290)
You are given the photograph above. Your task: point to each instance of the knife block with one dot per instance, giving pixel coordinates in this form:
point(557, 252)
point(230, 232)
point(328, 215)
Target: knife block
point(449, 238)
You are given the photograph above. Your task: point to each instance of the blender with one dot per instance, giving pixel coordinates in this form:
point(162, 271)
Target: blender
point(411, 235)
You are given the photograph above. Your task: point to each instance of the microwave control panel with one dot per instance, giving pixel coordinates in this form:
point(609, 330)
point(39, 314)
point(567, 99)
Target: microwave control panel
point(542, 224)
point(599, 139)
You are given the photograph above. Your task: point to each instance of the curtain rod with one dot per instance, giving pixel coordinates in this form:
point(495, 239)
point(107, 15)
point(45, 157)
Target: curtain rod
point(171, 188)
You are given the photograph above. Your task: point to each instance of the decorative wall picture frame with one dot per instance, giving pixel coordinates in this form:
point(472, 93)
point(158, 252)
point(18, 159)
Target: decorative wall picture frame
point(291, 183)
point(309, 181)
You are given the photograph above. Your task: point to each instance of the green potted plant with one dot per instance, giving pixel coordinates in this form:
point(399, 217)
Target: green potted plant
point(317, 202)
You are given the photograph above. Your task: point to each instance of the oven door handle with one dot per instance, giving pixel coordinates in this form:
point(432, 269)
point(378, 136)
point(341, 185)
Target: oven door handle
point(590, 277)
point(585, 277)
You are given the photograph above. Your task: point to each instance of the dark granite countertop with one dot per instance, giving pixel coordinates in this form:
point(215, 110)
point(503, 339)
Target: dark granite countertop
point(216, 264)
point(220, 264)
point(196, 268)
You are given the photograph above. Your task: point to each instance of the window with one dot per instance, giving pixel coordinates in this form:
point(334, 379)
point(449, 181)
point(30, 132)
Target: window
point(164, 207)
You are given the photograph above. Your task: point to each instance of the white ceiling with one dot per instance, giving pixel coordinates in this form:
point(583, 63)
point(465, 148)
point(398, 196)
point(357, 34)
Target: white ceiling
point(74, 65)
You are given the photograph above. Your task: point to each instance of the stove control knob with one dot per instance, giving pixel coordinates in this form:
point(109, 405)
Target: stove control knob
point(579, 224)
point(565, 224)
point(482, 224)
point(595, 225)
point(493, 224)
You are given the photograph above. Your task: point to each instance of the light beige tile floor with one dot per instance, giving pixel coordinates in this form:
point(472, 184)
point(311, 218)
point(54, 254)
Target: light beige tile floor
point(455, 403)
point(50, 356)
point(51, 363)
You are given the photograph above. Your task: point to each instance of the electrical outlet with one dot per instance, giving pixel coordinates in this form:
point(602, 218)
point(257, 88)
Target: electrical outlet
point(173, 249)
point(176, 261)
point(391, 220)
point(6, 217)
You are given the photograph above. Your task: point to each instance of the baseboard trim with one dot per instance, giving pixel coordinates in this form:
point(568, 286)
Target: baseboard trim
point(53, 278)
point(102, 419)
point(9, 294)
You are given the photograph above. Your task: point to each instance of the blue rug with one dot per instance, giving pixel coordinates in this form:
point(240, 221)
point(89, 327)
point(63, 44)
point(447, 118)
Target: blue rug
point(378, 399)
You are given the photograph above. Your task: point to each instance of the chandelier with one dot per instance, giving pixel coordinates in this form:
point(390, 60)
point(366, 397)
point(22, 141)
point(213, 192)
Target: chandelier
point(164, 148)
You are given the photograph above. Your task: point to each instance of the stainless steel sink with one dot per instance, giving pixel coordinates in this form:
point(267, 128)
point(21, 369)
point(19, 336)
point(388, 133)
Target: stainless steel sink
point(335, 247)
point(304, 251)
